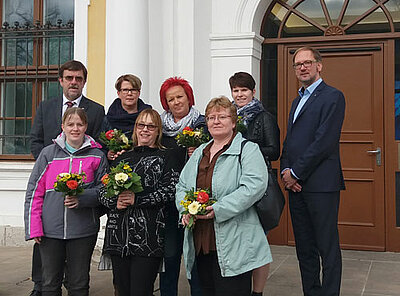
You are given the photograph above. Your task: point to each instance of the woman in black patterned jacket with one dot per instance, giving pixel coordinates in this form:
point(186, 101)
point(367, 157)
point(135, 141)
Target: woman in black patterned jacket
point(136, 223)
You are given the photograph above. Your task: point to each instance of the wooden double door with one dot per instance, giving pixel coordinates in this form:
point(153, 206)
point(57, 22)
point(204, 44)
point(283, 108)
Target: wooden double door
point(358, 70)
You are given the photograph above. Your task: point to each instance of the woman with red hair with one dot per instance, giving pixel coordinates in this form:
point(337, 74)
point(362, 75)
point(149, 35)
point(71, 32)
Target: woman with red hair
point(177, 99)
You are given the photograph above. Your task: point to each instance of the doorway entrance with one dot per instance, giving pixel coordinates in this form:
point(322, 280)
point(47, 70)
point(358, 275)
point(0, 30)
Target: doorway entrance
point(357, 42)
point(357, 70)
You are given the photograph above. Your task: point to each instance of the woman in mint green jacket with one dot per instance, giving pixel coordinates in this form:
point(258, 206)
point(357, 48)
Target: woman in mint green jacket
point(228, 242)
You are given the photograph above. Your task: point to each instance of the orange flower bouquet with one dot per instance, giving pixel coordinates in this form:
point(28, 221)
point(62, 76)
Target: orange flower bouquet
point(191, 138)
point(70, 184)
point(195, 203)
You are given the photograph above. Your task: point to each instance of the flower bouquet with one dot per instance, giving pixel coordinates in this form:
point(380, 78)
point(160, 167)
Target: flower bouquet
point(70, 184)
point(195, 203)
point(115, 140)
point(191, 138)
point(240, 126)
point(121, 178)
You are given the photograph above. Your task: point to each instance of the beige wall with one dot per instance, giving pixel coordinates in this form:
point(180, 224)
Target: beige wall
point(96, 50)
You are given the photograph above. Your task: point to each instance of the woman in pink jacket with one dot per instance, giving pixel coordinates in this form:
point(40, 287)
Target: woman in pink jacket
point(65, 228)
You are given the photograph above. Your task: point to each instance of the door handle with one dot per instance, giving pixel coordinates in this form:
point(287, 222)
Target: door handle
point(378, 153)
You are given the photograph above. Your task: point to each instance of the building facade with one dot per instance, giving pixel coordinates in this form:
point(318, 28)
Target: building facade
point(206, 42)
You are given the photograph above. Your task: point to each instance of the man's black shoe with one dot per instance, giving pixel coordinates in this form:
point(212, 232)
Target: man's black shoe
point(35, 293)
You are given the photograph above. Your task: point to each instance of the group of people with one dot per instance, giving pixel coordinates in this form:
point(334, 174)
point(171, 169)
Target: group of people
point(227, 252)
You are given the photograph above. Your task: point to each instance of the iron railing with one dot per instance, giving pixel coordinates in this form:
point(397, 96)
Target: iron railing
point(31, 55)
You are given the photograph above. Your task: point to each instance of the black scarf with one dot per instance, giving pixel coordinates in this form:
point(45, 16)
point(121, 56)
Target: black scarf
point(120, 119)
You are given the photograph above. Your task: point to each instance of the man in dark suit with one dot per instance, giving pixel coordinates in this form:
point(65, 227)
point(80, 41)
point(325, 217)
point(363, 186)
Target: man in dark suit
point(47, 123)
point(47, 126)
point(312, 172)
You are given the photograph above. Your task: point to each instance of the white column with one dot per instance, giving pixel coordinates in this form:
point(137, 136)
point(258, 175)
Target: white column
point(231, 53)
point(81, 32)
point(127, 44)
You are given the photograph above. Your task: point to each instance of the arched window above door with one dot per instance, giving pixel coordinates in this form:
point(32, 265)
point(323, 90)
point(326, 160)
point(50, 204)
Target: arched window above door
point(299, 18)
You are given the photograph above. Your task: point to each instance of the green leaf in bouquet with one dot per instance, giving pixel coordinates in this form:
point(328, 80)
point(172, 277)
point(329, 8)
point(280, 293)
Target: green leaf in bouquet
point(128, 185)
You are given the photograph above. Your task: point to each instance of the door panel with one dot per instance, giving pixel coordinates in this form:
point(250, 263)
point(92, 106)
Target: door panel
point(358, 73)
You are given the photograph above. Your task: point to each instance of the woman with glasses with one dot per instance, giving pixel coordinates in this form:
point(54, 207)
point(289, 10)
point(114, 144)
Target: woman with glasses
point(135, 228)
point(260, 127)
point(125, 109)
point(177, 99)
point(227, 243)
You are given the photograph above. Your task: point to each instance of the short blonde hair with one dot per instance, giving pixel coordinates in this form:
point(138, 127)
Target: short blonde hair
point(155, 117)
point(132, 79)
point(222, 102)
point(315, 53)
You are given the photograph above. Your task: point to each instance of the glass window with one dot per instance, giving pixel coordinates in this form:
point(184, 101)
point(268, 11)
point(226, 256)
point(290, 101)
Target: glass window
point(297, 27)
point(59, 49)
point(394, 8)
point(32, 52)
point(313, 10)
point(355, 9)
point(376, 22)
point(17, 51)
point(309, 19)
point(269, 66)
point(397, 89)
point(51, 89)
point(274, 21)
point(334, 7)
point(18, 11)
point(290, 2)
point(55, 10)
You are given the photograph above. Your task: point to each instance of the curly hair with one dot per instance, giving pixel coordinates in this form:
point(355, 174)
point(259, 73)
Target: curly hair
point(175, 81)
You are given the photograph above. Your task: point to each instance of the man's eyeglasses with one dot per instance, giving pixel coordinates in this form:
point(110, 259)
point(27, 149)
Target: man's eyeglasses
point(70, 78)
point(126, 91)
point(306, 64)
point(214, 118)
point(150, 127)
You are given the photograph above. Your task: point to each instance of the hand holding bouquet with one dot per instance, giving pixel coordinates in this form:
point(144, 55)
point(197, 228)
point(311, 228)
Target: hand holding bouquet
point(70, 184)
point(121, 178)
point(195, 204)
point(115, 140)
point(191, 138)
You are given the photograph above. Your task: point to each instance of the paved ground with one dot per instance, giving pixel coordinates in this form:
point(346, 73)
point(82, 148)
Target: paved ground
point(364, 274)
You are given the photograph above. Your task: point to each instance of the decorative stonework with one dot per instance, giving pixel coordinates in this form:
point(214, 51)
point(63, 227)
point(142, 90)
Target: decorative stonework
point(334, 31)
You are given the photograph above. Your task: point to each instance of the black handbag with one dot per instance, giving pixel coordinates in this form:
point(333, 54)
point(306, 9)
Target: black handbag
point(269, 208)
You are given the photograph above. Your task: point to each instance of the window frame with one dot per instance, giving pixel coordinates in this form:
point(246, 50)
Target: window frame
point(39, 73)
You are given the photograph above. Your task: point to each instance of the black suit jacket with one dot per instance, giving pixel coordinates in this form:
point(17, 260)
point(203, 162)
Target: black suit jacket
point(311, 147)
point(47, 123)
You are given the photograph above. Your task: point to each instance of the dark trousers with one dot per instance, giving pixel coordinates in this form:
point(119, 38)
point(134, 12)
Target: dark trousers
point(214, 284)
point(314, 218)
point(78, 254)
point(36, 268)
point(172, 259)
point(135, 275)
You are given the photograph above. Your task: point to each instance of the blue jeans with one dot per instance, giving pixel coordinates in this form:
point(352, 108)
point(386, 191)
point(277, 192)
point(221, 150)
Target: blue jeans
point(77, 253)
point(173, 254)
